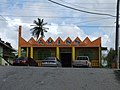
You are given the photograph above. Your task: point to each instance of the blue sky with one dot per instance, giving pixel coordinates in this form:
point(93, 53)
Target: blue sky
point(61, 21)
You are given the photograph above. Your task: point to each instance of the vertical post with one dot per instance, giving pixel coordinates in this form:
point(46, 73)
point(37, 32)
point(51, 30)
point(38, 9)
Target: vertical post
point(19, 51)
point(117, 34)
point(99, 55)
point(31, 52)
point(19, 38)
point(57, 52)
point(73, 53)
point(27, 52)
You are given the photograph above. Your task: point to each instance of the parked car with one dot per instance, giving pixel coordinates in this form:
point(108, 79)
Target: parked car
point(51, 62)
point(23, 61)
point(81, 61)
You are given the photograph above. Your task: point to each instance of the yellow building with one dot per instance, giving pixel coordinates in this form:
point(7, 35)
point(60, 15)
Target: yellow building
point(66, 50)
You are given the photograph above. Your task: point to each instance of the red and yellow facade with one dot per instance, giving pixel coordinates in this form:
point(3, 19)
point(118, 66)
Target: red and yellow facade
point(66, 50)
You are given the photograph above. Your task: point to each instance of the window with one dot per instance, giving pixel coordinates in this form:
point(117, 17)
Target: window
point(50, 41)
point(50, 58)
point(40, 42)
point(68, 41)
point(77, 41)
point(82, 58)
point(58, 42)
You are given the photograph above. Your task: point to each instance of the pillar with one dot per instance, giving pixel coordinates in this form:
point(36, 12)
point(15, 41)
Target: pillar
point(19, 44)
point(19, 51)
point(99, 56)
point(27, 52)
point(73, 53)
point(57, 52)
point(31, 52)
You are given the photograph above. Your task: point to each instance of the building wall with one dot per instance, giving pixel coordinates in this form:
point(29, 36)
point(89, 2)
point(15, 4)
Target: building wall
point(44, 48)
point(42, 53)
point(92, 52)
point(2, 61)
point(1, 54)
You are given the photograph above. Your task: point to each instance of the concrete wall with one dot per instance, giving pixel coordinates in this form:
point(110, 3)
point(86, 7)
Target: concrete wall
point(2, 61)
point(1, 54)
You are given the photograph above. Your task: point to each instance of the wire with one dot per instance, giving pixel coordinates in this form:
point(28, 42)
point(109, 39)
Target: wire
point(53, 16)
point(60, 0)
point(3, 18)
point(86, 25)
point(87, 2)
point(88, 21)
point(81, 10)
point(100, 9)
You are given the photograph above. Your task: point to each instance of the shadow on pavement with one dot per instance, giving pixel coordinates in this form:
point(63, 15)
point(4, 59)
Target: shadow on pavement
point(117, 74)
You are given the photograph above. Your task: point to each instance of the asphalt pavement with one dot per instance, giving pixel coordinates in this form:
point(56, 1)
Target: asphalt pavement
point(48, 78)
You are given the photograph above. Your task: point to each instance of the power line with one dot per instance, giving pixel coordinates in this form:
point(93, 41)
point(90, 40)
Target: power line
point(60, 0)
point(96, 9)
point(81, 10)
point(51, 16)
point(78, 4)
point(31, 6)
point(87, 21)
point(92, 26)
point(3, 18)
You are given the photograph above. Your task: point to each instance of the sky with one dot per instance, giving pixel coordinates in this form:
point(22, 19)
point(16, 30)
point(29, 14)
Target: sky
point(61, 21)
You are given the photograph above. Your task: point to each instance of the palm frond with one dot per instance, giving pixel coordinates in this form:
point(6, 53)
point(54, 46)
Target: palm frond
point(41, 21)
point(35, 28)
point(45, 30)
point(32, 25)
point(38, 28)
point(35, 22)
point(44, 24)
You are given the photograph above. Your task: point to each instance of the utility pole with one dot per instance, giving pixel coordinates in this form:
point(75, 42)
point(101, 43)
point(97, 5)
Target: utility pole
point(117, 34)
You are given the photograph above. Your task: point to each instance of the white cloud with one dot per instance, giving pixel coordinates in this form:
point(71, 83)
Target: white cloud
point(64, 31)
point(9, 33)
point(62, 27)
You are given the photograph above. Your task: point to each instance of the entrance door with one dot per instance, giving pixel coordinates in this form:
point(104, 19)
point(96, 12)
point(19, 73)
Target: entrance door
point(66, 59)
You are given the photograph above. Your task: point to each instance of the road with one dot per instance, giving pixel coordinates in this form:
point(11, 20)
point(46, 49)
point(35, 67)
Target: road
point(39, 78)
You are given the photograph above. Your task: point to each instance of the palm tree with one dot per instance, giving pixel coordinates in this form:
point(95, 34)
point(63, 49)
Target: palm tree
point(38, 28)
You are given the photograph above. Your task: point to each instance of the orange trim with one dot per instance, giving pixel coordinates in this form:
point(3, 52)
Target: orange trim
point(87, 41)
point(68, 41)
point(59, 42)
point(49, 41)
point(41, 41)
point(77, 41)
point(97, 41)
point(23, 42)
point(32, 42)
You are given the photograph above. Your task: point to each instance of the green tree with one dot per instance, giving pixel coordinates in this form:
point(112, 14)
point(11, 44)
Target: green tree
point(38, 28)
point(111, 56)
